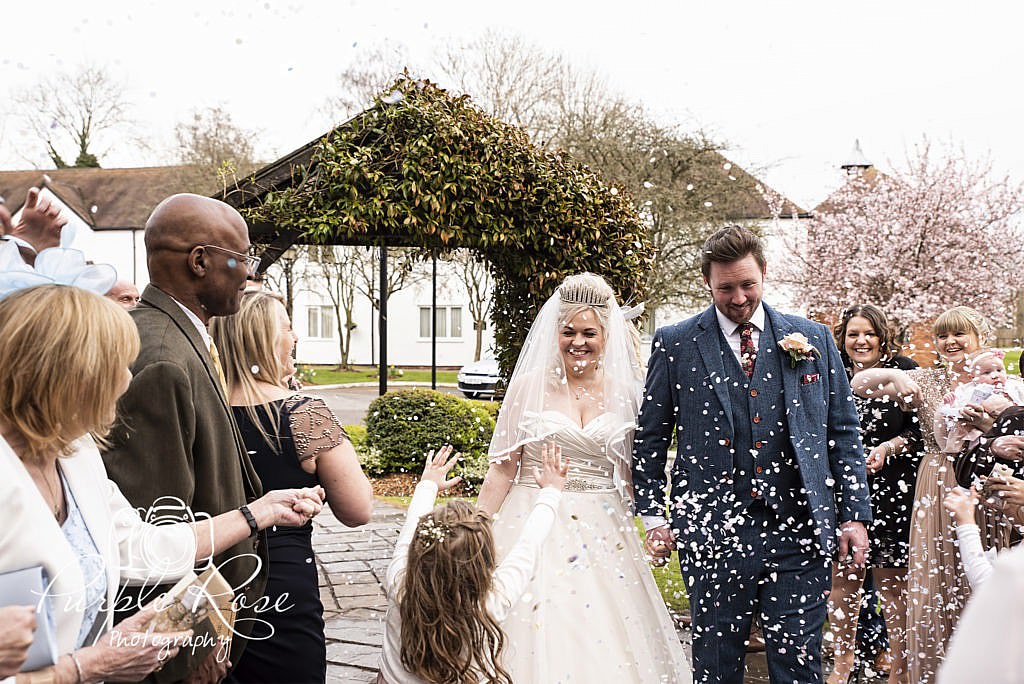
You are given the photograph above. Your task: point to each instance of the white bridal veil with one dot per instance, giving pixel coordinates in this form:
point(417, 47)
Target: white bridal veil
point(538, 383)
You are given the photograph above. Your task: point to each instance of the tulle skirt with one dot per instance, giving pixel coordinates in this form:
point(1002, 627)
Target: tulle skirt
point(592, 612)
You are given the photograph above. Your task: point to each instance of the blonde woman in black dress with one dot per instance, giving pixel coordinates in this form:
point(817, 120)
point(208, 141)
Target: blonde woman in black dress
point(290, 438)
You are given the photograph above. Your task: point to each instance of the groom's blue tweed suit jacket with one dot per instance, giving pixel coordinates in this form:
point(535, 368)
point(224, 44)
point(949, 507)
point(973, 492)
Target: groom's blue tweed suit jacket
point(692, 390)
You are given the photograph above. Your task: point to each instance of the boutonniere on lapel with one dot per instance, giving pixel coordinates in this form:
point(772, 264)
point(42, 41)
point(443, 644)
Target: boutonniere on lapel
point(799, 348)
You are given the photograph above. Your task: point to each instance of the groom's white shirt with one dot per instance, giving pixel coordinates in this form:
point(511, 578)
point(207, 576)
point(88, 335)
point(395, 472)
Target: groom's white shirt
point(731, 330)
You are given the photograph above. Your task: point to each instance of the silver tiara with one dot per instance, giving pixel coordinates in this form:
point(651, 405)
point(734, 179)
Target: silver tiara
point(581, 294)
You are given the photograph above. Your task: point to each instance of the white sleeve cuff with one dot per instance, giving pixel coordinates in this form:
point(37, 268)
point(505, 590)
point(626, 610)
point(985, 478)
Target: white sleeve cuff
point(549, 496)
point(652, 522)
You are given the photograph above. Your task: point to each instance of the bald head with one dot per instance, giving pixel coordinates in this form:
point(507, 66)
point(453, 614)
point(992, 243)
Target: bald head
point(182, 221)
point(125, 294)
point(196, 249)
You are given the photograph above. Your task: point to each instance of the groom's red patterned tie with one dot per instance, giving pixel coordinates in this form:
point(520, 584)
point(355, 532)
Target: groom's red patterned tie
point(748, 352)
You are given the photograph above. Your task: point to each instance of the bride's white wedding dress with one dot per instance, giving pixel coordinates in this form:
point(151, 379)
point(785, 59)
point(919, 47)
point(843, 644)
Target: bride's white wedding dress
point(592, 612)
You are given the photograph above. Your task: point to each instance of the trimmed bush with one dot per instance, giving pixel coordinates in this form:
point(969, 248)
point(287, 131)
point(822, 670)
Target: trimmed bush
point(356, 433)
point(402, 426)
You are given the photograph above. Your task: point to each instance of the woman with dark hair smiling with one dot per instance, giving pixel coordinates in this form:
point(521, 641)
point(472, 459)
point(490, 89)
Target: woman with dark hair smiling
point(892, 442)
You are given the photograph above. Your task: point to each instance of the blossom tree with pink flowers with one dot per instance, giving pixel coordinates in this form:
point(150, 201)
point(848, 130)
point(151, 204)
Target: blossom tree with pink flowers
point(942, 232)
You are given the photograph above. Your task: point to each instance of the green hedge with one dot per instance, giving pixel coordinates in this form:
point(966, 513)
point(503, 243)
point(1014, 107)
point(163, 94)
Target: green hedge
point(402, 426)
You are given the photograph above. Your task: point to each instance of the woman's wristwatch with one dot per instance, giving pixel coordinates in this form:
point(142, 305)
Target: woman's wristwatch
point(254, 529)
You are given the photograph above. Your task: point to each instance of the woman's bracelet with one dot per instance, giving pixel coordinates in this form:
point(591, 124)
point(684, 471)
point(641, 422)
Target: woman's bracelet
point(80, 677)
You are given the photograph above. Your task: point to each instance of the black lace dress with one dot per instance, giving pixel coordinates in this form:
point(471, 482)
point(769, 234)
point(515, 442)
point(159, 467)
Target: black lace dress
point(288, 644)
point(892, 487)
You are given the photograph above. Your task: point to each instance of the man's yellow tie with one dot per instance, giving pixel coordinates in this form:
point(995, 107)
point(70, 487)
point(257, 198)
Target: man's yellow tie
point(215, 355)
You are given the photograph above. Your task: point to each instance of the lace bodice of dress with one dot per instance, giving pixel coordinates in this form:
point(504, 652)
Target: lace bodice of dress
point(934, 387)
point(591, 468)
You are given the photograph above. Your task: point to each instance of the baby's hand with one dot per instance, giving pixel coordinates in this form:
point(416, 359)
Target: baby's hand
point(438, 466)
point(961, 503)
point(555, 469)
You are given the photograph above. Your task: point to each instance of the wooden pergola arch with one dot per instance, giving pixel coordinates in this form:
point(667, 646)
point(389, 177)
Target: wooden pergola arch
point(422, 168)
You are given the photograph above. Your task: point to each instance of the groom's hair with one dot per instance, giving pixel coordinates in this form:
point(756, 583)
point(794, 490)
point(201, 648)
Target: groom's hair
point(728, 245)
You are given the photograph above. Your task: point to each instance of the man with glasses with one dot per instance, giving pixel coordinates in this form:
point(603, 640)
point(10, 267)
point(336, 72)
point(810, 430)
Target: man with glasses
point(175, 435)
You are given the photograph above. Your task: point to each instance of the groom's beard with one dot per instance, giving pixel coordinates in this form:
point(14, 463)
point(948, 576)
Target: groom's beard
point(741, 314)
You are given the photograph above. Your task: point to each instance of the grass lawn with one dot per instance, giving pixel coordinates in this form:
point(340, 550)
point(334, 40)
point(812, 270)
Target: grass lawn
point(328, 375)
point(1012, 360)
point(668, 578)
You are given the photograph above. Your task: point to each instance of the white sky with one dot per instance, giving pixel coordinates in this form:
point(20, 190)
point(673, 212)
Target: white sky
point(787, 85)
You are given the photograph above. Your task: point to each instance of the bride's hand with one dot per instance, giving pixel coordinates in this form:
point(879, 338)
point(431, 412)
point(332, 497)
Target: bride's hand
point(659, 545)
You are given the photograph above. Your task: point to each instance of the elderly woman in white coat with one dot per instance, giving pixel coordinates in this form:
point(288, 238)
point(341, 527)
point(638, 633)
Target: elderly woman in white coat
point(66, 353)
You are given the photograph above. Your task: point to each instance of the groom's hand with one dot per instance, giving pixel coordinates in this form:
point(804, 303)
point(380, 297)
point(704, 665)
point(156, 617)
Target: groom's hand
point(659, 545)
point(853, 541)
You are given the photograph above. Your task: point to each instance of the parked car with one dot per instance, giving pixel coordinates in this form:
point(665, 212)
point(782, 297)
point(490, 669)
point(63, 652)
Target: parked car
point(477, 380)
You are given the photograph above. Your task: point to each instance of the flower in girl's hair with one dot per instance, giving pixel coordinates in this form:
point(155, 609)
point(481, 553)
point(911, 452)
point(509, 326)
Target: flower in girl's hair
point(432, 532)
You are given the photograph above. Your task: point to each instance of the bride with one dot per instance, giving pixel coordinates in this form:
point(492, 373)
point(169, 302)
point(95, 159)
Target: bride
point(592, 611)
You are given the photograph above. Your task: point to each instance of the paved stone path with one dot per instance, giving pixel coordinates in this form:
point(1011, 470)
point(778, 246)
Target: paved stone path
point(351, 564)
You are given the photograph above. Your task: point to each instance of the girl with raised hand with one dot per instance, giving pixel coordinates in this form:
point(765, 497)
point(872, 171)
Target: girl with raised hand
point(447, 595)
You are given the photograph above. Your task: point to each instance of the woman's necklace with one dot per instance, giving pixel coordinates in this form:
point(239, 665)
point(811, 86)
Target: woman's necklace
point(54, 491)
point(581, 390)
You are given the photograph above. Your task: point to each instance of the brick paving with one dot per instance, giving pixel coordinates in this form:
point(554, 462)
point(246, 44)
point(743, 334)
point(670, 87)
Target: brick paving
point(351, 564)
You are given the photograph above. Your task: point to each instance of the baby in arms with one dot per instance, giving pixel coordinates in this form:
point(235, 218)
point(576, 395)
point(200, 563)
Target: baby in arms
point(990, 389)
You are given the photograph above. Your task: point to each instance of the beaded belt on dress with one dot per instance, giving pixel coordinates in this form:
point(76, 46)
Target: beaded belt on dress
point(575, 484)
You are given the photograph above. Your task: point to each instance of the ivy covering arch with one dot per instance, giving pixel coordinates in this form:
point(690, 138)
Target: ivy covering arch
point(423, 168)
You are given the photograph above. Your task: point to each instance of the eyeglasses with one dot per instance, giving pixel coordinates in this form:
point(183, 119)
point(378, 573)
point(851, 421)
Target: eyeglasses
point(251, 262)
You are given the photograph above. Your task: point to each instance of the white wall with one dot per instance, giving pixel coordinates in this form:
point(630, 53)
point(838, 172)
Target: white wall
point(406, 347)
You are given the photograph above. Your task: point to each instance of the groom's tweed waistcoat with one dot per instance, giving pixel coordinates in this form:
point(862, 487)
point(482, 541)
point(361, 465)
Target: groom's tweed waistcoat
point(765, 465)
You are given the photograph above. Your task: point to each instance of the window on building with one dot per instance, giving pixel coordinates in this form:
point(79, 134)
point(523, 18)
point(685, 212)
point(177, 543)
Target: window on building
point(320, 322)
point(447, 321)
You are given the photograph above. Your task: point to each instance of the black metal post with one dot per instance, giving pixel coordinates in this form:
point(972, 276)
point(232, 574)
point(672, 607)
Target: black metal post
point(433, 325)
point(383, 321)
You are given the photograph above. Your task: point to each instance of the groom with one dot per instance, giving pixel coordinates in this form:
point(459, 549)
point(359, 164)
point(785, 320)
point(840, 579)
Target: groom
point(769, 475)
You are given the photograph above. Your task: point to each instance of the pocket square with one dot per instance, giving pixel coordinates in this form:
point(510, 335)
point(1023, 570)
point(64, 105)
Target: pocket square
point(808, 378)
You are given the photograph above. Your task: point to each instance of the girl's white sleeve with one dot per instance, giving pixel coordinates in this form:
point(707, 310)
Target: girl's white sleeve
point(986, 644)
point(422, 503)
point(977, 564)
point(513, 575)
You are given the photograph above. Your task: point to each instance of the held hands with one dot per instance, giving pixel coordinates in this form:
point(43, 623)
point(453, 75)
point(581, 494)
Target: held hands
point(128, 652)
point(1009, 447)
point(961, 503)
point(438, 466)
point(17, 625)
point(287, 507)
point(853, 543)
point(554, 469)
point(659, 545)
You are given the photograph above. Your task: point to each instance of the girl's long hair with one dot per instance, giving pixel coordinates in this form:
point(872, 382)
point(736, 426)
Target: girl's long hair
point(448, 637)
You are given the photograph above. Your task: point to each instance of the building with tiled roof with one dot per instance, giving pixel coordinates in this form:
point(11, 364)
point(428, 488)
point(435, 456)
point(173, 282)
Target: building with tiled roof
point(107, 208)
